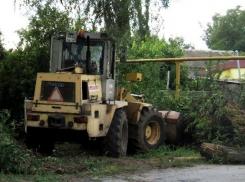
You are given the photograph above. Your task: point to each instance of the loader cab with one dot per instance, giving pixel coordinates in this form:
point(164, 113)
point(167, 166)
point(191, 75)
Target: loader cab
point(76, 54)
point(93, 52)
point(85, 53)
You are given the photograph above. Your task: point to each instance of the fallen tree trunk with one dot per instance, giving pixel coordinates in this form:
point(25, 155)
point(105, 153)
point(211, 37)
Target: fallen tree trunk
point(229, 155)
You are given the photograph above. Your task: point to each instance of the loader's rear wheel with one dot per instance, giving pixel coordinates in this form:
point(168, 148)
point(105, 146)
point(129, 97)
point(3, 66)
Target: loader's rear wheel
point(151, 131)
point(46, 145)
point(32, 142)
point(116, 140)
point(38, 144)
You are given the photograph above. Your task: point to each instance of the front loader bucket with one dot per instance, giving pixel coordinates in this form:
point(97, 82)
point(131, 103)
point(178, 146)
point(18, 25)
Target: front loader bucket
point(174, 126)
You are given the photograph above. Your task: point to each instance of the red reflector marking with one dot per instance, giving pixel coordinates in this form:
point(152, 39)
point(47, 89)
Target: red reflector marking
point(80, 120)
point(33, 117)
point(56, 96)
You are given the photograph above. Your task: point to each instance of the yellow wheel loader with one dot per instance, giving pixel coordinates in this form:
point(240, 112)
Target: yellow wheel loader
point(78, 100)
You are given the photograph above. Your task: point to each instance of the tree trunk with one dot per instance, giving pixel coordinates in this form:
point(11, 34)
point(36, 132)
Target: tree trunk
point(229, 155)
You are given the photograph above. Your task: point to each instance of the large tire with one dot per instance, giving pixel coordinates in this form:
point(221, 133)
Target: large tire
point(46, 146)
point(116, 141)
point(151, 132)
point(32, 142)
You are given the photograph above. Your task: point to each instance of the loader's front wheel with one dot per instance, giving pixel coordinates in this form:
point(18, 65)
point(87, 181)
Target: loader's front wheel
point(151, 132)
point(116, 141)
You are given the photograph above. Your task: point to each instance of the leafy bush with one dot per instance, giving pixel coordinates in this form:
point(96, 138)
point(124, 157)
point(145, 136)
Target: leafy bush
point(18, 68)
point(13, 158)
point(169, 151)
point(213, 114)
point(207, 104)
point(154, 73)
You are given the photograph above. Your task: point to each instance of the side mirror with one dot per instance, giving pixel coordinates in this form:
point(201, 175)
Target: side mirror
point(123, 56)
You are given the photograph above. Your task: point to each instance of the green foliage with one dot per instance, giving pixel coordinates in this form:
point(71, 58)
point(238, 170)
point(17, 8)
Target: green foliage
point(12, 158)
point(182, 164)
point(216, 159)
point(154, 74)
point(227, 32)
point(152, 47)
point(17, 79)
point(37, 177)
point(19, 68)
point(90, 164)
point(206, 115)
point(46, 22)
point(117, 17)
point(211, 110)
point(168, 151)
point(173, 157)
point(210, 115)
point(2, 50)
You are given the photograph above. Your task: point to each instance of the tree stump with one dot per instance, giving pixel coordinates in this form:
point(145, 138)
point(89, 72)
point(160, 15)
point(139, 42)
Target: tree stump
point(229, 155)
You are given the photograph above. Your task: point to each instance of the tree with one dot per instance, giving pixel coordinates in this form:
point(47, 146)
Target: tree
point(227, 32)
point(2, 50)
point(19, 68)
point(154, 74)
point(46, 22)
point(118, 17)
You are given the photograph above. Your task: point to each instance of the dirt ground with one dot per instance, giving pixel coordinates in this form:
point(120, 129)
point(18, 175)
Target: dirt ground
point(202, 173)
point(74, 160)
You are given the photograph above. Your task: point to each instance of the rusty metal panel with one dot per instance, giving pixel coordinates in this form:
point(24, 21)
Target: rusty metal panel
point(174, 126)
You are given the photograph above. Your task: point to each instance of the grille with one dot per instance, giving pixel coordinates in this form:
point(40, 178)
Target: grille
point(64, 90)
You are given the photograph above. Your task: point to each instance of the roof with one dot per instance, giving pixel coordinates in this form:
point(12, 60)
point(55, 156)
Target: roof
point(230, 64)
point(206, 53)
point(226, 66)
point(203, 53)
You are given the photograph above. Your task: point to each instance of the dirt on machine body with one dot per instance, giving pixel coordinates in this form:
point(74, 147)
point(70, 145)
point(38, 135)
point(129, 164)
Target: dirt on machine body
point(78, 100)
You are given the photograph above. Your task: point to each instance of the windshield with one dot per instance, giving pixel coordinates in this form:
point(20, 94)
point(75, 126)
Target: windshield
point(75, 53)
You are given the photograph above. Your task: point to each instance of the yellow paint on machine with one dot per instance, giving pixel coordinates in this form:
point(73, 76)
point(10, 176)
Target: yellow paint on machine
point(71, 78)
point(99, 116)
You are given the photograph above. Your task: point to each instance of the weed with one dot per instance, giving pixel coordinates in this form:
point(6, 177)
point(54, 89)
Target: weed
point(167, 151)
point(115, 169)
point(37, 177)
point(90, 164)
point(182, 164)
point(12, 157)
point(216, 159)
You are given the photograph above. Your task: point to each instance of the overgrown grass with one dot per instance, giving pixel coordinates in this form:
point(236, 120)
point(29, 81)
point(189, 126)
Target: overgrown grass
point(173, 157)
point(168, 151)
point(13, 159)
point(216, 159)
point(48, 177)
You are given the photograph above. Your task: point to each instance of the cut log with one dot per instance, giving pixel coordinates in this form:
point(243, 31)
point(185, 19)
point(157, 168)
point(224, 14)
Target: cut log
point(229, 155)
